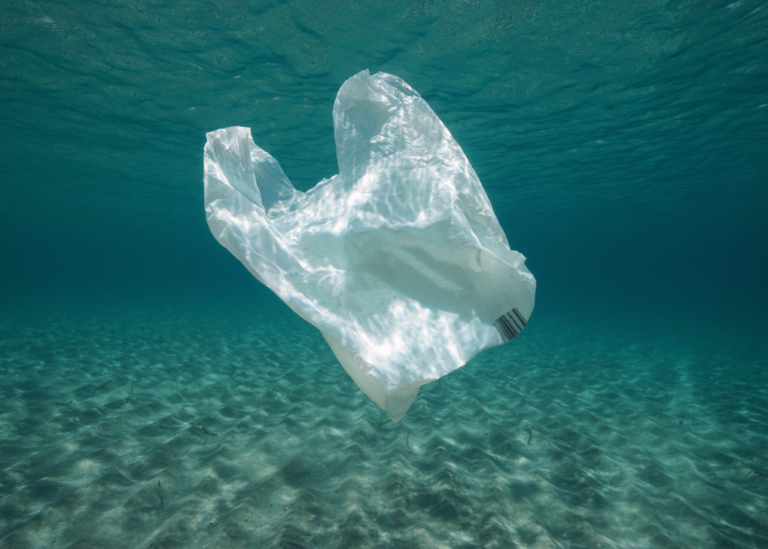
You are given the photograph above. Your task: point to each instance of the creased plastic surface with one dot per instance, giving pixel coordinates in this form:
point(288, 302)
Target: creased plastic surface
point(399, 259)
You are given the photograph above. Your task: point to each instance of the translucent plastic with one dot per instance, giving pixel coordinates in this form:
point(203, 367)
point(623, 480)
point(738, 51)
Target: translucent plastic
point(398, 260)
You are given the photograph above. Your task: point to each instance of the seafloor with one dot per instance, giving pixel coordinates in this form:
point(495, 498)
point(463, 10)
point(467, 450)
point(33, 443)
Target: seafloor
point(215, 426)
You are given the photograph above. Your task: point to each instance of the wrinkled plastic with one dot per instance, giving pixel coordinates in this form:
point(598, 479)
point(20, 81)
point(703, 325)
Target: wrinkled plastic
point(399, 259)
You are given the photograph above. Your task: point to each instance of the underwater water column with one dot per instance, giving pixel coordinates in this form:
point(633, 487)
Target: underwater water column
point(153, 392)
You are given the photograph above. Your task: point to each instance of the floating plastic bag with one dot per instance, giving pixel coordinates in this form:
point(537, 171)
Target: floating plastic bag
point(398, 260)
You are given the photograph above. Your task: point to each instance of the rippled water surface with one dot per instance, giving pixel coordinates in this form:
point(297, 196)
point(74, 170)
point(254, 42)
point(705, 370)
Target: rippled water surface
point(623, 146)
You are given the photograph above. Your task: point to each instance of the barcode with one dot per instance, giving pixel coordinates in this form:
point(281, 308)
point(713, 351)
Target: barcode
point(510, 324)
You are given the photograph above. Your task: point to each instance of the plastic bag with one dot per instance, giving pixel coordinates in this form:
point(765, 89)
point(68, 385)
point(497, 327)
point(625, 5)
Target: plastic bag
point(398, 260)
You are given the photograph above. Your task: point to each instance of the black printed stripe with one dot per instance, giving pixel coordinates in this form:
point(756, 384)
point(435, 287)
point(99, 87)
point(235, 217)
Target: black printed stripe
point(510, 324)
point(512, 318)
point(519, 316)
point(506, 328)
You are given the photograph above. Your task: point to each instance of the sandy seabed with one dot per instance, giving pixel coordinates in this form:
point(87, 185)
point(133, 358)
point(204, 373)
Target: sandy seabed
point(177, 427)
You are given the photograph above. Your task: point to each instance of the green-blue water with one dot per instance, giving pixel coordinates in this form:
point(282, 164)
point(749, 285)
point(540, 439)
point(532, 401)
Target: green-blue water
point(624, 147)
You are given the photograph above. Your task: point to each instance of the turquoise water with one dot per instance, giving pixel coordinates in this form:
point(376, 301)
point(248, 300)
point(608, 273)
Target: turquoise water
point(623, 147)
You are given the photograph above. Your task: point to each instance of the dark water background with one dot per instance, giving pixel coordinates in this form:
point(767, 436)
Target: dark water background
point(624, 146)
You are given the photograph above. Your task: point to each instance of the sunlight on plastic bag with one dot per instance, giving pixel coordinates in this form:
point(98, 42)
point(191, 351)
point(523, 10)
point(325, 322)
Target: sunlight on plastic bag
point(398, 260)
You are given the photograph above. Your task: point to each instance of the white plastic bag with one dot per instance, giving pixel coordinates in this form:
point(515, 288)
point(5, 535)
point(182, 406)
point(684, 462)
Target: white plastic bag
point(398, 260)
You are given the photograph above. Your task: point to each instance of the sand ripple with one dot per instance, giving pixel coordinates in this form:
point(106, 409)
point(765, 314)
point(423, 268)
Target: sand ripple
point(241, 430)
